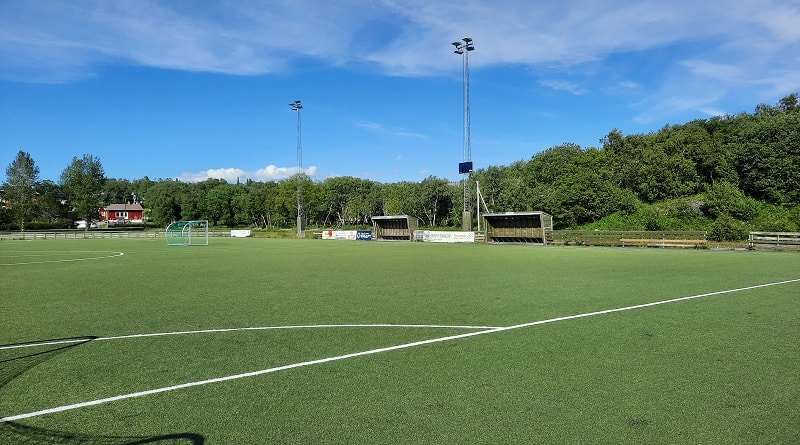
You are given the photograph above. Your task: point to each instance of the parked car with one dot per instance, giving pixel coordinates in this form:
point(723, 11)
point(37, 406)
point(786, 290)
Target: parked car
point(81, 224)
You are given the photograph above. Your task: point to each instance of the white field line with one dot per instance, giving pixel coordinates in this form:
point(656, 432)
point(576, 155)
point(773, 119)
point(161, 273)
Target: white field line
point(255, 328)
point(111, 255)
point(375, 351)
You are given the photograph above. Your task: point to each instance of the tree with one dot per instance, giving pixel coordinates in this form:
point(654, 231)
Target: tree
point(769, 157)
point(261, 203)
point(20, 190)
point(349, 200)
point(398, 198)
point(515, 189)
point(117, 191)
point(166, 200)
point(491, 180)
point(83, 180)
point(437, 199)
point(790, 102)
point(51, 207)
point(554, 163)
point(222, 204)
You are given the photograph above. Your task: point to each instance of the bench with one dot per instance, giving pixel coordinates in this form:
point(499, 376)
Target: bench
point(663, 242)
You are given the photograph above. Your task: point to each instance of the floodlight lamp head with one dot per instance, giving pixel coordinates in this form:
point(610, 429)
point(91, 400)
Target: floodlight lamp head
point(467, 40)
point(456, 44)
point(459, 51)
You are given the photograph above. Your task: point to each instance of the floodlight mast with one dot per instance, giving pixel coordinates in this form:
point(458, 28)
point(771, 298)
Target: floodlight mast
point(463, 47)
point(296, 106)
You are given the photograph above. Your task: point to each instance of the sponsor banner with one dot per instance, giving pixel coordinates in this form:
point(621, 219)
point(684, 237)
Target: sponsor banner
point(345, 234)
point(431, 236)
point(364, 235)
point(240, 233)
point(340, 234)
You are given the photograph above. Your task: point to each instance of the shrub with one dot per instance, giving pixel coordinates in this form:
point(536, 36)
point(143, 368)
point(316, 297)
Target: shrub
point(774, 223)
point(725, 198)
point(728, 228)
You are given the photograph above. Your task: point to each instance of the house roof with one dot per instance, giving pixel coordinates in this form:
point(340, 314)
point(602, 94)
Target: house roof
point(113, 207)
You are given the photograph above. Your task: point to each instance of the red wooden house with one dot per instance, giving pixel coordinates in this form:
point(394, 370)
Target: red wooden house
point(122, 213)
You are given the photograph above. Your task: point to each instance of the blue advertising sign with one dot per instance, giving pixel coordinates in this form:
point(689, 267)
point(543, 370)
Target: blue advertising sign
point(364, 235)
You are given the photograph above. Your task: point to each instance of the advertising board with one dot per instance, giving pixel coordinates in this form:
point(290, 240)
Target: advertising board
point(432, 236)
point(349, 235)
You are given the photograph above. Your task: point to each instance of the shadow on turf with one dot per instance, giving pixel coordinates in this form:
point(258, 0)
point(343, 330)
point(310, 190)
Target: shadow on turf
point(18, 358)
point(15, 433)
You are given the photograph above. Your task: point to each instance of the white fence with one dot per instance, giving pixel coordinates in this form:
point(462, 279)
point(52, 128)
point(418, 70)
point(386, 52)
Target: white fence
point(92, 234)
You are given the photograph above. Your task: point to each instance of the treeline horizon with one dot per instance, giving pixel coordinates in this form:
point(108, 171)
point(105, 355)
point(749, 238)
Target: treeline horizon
point(727, 175)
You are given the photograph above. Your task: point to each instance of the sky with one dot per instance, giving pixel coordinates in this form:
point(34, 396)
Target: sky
point(192, 90)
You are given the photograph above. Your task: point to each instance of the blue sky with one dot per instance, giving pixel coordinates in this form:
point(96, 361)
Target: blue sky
point(192, 90)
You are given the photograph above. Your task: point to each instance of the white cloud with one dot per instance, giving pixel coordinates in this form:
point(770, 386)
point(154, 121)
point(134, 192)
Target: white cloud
point(380, 128)
point(715, 71)
point(781, 20)
point(266, 36)
point(370, 126)
point(729, 46)
point(562, 85)
point(47, 36)
point(231, 175)
point(629, 84)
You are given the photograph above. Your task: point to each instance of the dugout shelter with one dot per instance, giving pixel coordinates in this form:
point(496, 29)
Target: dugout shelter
point(519, 227)
point(395, 228)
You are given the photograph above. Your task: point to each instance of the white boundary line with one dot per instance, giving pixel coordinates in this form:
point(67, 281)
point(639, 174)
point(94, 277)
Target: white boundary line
point(374, 351)
point(256, 328)
point(112, 255)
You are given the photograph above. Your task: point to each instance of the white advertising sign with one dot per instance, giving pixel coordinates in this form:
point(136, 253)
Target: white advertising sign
point(340, 234)
point(431, 236)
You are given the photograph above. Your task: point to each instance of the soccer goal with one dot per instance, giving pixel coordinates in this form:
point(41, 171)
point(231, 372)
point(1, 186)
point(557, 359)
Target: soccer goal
point(187, 233)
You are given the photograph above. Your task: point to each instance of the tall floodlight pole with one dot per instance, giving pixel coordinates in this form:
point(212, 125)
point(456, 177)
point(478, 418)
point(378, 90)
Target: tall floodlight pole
point(296, 106)
point(463, 47)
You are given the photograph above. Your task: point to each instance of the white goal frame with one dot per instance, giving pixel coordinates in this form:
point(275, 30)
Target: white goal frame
point(187, 233)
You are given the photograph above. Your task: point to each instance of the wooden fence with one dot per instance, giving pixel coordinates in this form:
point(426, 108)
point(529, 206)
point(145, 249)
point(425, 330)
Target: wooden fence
point(619, 237)
point(774, 239)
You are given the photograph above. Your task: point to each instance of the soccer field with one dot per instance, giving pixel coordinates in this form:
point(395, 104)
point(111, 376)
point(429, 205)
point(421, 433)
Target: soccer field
point(249, 341)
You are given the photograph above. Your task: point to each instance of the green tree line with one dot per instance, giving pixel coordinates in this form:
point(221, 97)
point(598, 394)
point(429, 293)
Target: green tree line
point(727, 174)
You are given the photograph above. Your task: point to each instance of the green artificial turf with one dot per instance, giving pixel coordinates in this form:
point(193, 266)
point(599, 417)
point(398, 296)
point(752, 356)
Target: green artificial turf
point(717, 369)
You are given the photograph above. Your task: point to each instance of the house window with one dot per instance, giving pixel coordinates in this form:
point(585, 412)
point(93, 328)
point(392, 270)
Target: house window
point(122, 215)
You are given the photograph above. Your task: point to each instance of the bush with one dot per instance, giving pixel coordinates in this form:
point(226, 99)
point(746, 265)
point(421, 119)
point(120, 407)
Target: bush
point(774, 223)
point(725, 198)
point(773, 218)
point(794, 216)
point(728, 228)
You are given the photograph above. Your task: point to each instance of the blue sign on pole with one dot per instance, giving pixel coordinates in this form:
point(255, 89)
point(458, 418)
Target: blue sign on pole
point(364, 235)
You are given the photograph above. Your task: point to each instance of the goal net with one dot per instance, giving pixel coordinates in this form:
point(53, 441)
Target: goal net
point(187, 233)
